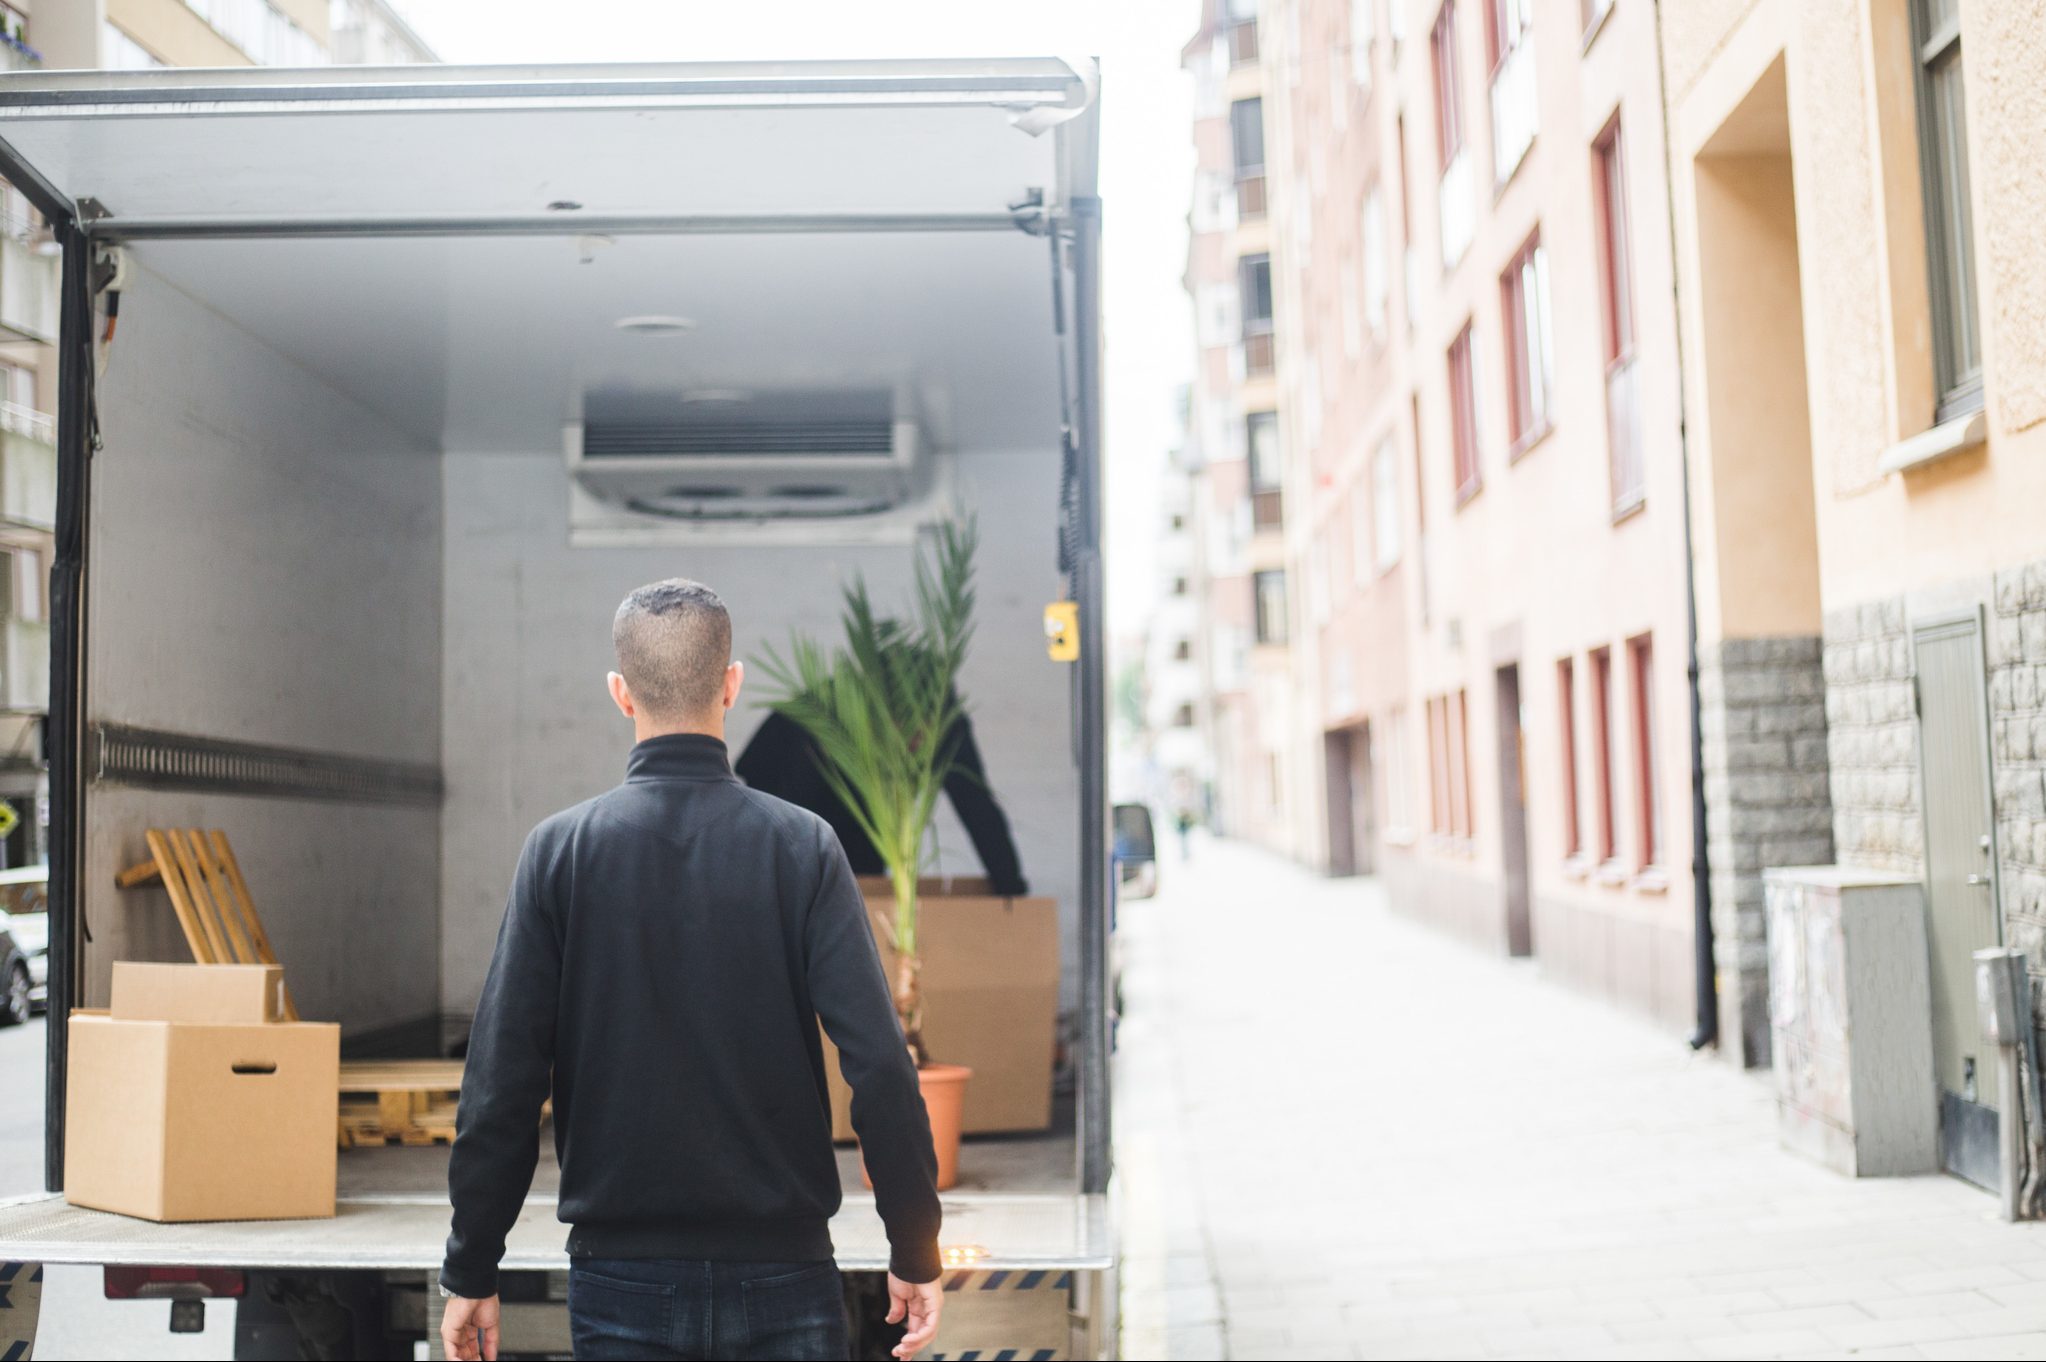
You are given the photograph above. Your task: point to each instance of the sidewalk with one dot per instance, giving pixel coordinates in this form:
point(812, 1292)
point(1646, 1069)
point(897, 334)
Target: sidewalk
point(1340, 1134)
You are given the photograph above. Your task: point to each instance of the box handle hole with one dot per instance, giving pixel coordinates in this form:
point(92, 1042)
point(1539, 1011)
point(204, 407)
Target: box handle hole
point(256, 1067)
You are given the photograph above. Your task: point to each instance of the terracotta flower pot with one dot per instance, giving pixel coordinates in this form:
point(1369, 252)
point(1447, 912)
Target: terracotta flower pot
point(944, 1089)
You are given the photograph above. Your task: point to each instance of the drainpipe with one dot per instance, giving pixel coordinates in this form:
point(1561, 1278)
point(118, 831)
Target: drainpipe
point(1707, 976)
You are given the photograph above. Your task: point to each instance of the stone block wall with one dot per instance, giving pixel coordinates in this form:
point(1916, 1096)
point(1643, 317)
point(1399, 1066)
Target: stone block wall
point(1763, 717)
point(1872, 736)
point(2017, 749)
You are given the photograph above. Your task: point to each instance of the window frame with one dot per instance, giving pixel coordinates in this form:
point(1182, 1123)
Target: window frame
point(1463, 414)
point(1262, 616)
point(1626, 462)
point(1448, 70)
point(1528, 416)
point(1605, 825)
point(1949, 244)
point(1648, 809)
point(1566, 709)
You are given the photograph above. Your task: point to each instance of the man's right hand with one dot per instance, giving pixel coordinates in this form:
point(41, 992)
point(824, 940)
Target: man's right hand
point(469, 1329)
point(916, 1306)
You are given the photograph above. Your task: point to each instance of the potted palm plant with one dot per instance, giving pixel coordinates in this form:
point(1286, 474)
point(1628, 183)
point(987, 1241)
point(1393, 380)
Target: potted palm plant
point(884, 711)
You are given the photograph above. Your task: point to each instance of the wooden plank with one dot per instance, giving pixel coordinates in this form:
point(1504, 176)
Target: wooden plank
point(401, 1075)
point(188, 919)
point(141, 872)
point(201, 901)
point(259, 938)
point(223, 902)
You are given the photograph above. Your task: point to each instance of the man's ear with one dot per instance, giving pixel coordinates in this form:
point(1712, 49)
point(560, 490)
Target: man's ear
point(735, 677)
point(621, 696)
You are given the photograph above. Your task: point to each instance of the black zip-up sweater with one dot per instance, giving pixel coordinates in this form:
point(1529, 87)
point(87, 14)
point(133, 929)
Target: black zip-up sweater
point(668, 951)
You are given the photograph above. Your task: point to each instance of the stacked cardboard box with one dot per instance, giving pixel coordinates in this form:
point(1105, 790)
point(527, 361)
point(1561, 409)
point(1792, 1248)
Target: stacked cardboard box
point(991, 994)
point(190, 1100)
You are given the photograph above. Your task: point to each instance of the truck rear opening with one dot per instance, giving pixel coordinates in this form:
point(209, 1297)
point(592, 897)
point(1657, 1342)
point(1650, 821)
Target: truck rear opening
point(379, 394)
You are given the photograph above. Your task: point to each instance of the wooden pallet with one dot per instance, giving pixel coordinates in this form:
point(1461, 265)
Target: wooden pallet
point(411, 1101)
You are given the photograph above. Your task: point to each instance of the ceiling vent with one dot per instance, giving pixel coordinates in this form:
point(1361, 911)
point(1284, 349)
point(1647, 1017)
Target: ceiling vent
point(748, 457)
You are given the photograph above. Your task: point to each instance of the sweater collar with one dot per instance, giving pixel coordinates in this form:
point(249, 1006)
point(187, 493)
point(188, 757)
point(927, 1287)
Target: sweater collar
point(679, 756)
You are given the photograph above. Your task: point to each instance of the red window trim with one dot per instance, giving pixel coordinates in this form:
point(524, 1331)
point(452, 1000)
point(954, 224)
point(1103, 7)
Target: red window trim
point(1641, 663)
point(1448, 86)
point(1519, 352)
point(1615, 243)
point(1463, 415)
point(1602, 749)
point(1566, 702)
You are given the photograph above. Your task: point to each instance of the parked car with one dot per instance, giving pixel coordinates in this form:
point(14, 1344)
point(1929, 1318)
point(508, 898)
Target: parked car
point(24, 965)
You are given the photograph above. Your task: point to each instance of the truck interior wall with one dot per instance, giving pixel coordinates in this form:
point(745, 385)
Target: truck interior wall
point(528, 728)
point(265, 565)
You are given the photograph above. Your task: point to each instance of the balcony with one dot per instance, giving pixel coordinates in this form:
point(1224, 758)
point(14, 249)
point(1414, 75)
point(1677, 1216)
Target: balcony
point(1258, 355)
point(1250, 197)
point(1267, 510)
point(28, 467)
point(1243, 43)
point(28, 289)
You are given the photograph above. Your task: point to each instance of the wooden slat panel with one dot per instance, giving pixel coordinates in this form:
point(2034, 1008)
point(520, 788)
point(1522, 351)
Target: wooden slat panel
point(188, 918)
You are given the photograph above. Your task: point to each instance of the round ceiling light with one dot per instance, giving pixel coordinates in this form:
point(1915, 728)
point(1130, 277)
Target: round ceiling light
point(654, 325)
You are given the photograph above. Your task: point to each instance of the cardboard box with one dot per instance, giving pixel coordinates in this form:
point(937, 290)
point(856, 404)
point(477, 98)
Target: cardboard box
point(174, 1121)
point(991, 997)
point(201, 995)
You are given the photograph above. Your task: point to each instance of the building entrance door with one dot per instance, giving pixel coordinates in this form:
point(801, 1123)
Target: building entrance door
point(1960, 882)
point(1513, 816)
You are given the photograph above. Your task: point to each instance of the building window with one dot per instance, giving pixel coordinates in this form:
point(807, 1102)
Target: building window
point(1616, 278)
point(1270, 588)
point(1524, 300)
point(1949, 213)
point(1641, 654)
point(30, 584)
point(1247, 138)
point(1461, 803)
point(1398, 811)
point(1377, 273)
point(1242, 32)
point(1385, 503)
point(1254, 289)
point(1454, 197)
point(1183, 717)
point(1261, 440)
point(1566, 715)
point(1182, 651)
point(1594, 12)
point(1515, 113)
point(1602, 750)
point(1438, 767)
point(1179, 586)
point(1463, 416)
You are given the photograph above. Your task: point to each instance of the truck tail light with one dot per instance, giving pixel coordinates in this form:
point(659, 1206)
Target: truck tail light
point(174, 1283)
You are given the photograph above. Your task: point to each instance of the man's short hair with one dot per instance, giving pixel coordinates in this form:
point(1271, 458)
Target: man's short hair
point(674, 642)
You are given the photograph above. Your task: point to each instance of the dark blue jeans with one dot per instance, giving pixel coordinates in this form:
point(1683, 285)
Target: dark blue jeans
point(670, 1308)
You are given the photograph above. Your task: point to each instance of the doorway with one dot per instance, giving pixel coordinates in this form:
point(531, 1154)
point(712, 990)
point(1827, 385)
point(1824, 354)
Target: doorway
point(1352, 823)
point(1513, 814)
point(1960, 882)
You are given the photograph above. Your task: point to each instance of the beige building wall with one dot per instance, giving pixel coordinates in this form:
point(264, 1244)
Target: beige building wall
point(1838, 506)
point(1250, 688)
point(1535, 566)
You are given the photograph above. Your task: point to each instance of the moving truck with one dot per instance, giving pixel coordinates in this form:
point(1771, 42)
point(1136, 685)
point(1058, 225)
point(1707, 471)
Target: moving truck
point(378, 390)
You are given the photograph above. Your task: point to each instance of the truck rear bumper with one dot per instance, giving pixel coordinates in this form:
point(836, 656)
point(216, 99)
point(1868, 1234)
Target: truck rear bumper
point(993, 1231)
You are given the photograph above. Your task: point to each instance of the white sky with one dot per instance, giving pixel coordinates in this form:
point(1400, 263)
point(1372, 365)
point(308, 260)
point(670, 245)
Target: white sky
point(1146, 160)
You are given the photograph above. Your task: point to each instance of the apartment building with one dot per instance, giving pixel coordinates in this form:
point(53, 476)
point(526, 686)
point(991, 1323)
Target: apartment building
point(1178, 776)
point(119, 35)
point(1238, 508)
point(1485, 502)
point(1857, 207)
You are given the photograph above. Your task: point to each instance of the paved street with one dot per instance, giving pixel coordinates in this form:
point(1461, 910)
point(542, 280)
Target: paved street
point(1343, 1135)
